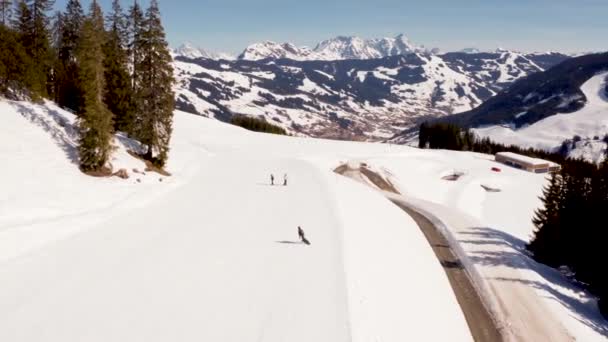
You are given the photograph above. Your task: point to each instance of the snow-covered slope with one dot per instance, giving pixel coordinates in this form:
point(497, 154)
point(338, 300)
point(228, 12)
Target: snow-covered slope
point(370, 99)
point(211, 253)
point(44, 195)
point(589, 123)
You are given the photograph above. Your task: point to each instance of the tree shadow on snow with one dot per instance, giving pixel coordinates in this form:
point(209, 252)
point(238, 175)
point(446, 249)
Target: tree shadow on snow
point(58, 126)
point(513, 254)
point(128, 143)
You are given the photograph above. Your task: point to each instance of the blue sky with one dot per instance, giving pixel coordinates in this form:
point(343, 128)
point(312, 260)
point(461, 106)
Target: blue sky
point(527, 25)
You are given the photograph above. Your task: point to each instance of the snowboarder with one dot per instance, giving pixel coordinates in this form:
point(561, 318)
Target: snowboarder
point(301, 236)
point(271, 179)
point(285, 180)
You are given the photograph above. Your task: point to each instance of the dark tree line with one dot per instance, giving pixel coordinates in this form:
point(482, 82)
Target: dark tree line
point(256, 125)
point(452, 137)
point(570, 229)
point(115, 72)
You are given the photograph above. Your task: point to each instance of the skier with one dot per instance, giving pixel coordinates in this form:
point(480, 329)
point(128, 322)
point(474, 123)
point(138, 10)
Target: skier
point(301, 236)
point(271, 179)
point(285, 180)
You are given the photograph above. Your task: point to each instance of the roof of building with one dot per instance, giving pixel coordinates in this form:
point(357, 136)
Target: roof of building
point(525, 159)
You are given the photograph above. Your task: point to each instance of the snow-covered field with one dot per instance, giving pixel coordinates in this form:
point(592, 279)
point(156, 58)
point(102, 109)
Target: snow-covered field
point(211, 253)
point(588, 123)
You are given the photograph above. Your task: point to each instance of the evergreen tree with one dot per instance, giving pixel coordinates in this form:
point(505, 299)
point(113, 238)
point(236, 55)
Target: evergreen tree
point(32, 24)
point(154, 115)
point(6, 12)
point(118, 96)
point(547, 240)
point(14, 62)
point(117, 22)
point(95, 123)
point(135, 28)
point(66, 69)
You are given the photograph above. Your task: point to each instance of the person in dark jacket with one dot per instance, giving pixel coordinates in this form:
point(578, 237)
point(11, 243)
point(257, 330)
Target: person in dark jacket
point(271, 179)
point(302, 236)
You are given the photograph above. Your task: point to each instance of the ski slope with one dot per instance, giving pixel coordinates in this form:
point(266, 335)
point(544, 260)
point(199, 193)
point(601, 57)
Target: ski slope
point(211, 253)
point(589, 122)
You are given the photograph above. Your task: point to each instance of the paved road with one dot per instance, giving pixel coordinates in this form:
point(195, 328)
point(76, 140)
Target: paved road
point(482, 325)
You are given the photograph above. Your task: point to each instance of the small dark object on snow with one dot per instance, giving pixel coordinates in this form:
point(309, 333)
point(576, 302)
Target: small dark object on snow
point(271, 179)
point(489, 188)
point(138, 180)
point(122, 173)
point(302, 237)
point(495, 169)
point(285, 180)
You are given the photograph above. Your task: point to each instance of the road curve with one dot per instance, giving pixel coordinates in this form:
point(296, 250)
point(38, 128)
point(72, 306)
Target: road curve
point(481, 323)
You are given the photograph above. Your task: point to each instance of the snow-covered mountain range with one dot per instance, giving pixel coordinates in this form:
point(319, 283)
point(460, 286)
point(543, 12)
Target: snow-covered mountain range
point(190, 51)
point(339, 48)
point(363, 99)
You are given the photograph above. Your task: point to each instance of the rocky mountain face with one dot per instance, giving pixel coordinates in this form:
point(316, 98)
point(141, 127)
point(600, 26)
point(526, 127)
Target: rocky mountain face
point(365, 98)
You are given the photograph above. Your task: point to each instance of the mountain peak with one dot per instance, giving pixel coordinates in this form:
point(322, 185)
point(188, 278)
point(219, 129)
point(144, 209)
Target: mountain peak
point(270, 49)
point(188, 50)
point(338, 48)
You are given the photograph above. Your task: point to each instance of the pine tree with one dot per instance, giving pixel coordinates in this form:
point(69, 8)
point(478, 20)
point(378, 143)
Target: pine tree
point(548, 237)
point(70, 33)
point(135, 28)
point(118, 96)
point(95, 123)
point(32, 24)
point(14, 63)
point(66, 70)
point(155, 116)
point(117, 22)
point(6, 12)
point(66, 83)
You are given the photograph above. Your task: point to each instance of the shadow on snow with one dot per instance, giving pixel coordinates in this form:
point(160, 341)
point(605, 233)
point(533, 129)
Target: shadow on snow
point(513, 254)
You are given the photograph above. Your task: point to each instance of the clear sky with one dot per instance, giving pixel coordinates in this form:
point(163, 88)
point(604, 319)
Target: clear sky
point(526, 25)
